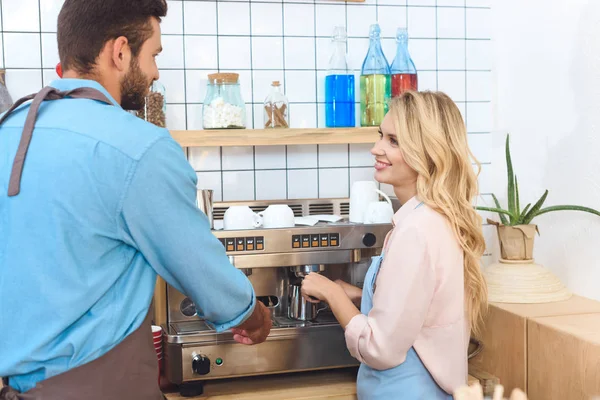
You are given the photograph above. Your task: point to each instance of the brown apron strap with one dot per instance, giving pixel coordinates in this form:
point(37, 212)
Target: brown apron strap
point(129, 372)
point(47, 93)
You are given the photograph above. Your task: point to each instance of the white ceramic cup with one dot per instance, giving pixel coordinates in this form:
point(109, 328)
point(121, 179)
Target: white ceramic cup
point(277, 216)
point(240, 217)
point(362, 194)
point(379, 212)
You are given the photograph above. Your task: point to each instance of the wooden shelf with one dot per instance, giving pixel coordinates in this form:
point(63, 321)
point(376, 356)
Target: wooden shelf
point(270, 137)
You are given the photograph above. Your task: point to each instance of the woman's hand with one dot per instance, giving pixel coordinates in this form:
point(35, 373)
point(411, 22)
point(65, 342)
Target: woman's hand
point(316, 287)
point(322, 288)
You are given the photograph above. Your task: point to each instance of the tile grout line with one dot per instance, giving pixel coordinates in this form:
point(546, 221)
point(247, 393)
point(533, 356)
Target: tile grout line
point(348, 147)
point(40, 33)
point(184, 68)
point(437, 56)
point(263, 69)
point(218, 69)
point(3, 41)
point(466, 87)
point(307, 168)
point(250, 37)
point(287, 178)
point(316, 105)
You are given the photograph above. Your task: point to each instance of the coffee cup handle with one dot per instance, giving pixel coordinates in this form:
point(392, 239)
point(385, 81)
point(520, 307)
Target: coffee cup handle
point(385, 196)
point(258, 219)
point(325, 307)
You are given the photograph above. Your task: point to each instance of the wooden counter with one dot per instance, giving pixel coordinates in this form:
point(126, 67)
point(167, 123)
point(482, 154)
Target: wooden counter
point(271, 137)
point(317, 385)
point(564, 357)
point(330, 385)
point(505, 337)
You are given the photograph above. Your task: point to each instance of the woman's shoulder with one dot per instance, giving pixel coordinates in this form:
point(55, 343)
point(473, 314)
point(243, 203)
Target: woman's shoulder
point(429, 224)
point(425, 218)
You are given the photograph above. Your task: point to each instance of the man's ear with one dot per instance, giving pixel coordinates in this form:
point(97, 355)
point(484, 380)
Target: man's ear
point(121, 52)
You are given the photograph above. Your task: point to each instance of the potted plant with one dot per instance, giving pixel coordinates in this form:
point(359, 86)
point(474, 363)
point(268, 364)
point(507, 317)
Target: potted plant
point(516, 278)
point(515, 230)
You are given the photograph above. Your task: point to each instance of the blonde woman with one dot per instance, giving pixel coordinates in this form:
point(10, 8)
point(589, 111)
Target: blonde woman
point(425, 293)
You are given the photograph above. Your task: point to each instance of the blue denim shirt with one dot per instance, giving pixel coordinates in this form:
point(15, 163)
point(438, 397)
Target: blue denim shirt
point(107, 202)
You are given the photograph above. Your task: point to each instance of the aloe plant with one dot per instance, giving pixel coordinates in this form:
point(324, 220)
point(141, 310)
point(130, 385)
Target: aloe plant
point(514, 215)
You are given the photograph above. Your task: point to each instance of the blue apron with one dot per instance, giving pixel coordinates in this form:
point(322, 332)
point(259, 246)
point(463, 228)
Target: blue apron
point(409, 380)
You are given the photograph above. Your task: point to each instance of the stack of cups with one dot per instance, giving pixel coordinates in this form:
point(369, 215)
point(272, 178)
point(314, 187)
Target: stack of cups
point(157, 339)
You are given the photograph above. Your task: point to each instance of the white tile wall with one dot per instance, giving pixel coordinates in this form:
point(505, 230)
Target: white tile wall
point(288, 41)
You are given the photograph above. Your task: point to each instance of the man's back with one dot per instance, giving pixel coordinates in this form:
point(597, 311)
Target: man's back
point(79, 252)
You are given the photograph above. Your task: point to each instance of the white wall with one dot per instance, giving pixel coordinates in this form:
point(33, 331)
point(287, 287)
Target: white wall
point(547, 95)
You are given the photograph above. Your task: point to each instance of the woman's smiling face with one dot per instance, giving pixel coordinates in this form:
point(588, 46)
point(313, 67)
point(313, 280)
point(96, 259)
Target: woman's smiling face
point(390, 166)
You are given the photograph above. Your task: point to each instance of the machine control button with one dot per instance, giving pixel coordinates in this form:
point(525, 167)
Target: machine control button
point(324, 240)
point(260, 243)
point(314, 240)
point(296, 241)
point(305, 241)
point(219, 361)
point(240, 244)
point(230, 244)
point(334, 239)
point(201, 365)
point(250, 244)
point(369, 240)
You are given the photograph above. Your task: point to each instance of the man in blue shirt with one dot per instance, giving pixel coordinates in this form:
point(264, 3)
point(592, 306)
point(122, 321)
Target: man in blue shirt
point(106, 201)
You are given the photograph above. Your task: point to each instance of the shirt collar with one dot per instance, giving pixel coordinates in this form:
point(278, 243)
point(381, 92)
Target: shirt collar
point(405, 209)
point(70, 84)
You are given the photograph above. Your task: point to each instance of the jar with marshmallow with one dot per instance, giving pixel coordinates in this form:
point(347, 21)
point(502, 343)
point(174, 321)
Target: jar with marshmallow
point(224, 107)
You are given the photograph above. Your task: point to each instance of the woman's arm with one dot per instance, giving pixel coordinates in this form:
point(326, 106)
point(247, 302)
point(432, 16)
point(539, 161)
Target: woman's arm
point(353, 292)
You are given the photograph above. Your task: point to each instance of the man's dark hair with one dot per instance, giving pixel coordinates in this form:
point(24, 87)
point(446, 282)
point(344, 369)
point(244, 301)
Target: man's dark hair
point(84, 27)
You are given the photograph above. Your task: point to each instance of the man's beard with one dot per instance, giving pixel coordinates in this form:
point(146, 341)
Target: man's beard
point(134, 88)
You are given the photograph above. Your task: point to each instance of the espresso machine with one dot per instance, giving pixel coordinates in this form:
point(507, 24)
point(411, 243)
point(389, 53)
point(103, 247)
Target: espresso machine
point(304, 336)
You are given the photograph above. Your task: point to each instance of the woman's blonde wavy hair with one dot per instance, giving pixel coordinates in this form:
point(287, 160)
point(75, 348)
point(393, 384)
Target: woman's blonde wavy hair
point(433, 139)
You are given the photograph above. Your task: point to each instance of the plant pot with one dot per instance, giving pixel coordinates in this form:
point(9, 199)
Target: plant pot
point(516, 242)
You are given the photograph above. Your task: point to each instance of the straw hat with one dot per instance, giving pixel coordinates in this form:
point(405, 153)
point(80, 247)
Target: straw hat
point(523, 282)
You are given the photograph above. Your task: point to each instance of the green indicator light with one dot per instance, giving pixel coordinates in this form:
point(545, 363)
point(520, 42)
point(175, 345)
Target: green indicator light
point(219, 361)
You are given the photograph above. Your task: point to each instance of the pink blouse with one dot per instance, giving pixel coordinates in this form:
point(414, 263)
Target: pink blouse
point(418, 300)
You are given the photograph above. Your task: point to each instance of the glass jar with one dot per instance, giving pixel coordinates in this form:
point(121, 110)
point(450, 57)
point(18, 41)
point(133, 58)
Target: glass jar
point(224, 107)
point(155, 106)
point(5, 99)
point(276, 108)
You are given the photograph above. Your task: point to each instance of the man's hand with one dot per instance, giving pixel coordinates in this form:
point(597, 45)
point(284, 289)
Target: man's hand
point(256, 328)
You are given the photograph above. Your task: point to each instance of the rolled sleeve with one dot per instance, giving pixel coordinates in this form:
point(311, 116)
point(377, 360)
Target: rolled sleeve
point(353, 332)
point(159, 217)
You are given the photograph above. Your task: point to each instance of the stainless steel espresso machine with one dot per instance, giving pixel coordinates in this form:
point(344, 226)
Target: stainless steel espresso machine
point(304, 336)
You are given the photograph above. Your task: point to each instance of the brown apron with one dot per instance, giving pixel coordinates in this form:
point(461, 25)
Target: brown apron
point(130, 370)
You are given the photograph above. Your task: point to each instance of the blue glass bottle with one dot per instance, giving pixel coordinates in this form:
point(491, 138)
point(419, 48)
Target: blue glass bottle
point(375, 82)
point(404, 73)
point(339, 85)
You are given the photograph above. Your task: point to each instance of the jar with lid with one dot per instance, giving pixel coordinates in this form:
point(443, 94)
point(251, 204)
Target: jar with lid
point(224, 107)
point(276, 108)
point(155, 106)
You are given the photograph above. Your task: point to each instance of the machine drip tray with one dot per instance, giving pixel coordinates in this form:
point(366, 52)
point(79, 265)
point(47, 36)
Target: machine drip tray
point(185, 328)
point(192, 327)
point(325, 318)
